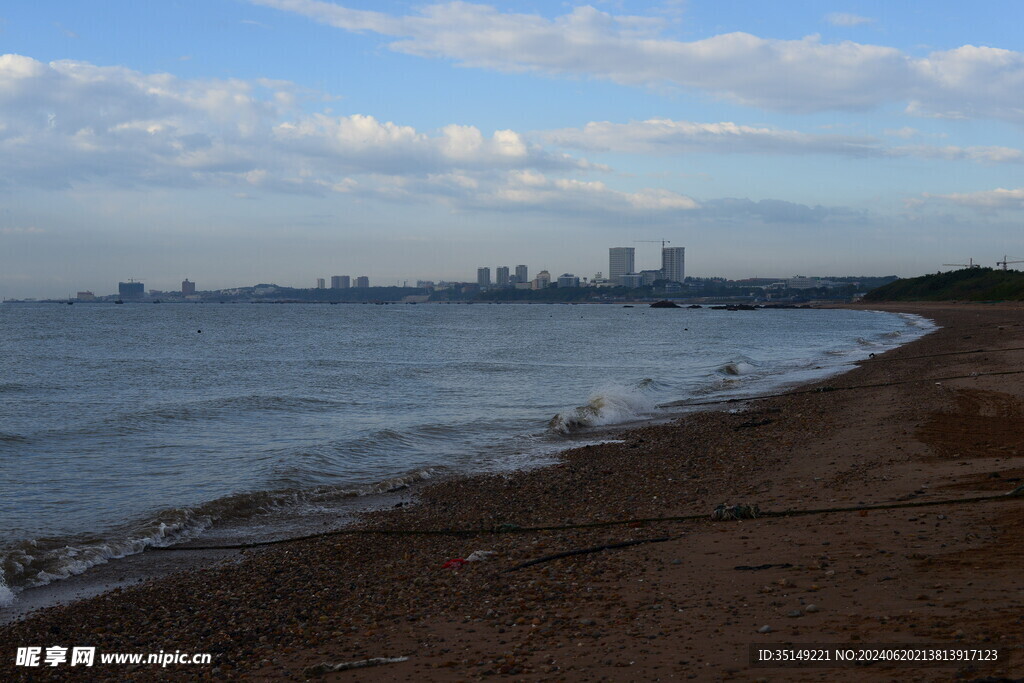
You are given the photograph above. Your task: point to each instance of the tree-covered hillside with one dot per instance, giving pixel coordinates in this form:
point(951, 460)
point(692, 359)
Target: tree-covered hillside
point(968, 284)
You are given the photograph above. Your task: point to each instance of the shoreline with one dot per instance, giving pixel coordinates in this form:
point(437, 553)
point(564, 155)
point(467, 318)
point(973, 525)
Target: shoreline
point(150, 564)
point(649, 607)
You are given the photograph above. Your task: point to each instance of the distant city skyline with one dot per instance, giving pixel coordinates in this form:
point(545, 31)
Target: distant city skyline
point(243, 141)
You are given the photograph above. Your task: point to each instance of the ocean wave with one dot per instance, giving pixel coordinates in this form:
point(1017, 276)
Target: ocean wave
point(611, 405)
point(38, 562)
point(34, 563)
point(738, 368)
point(914, 320)
point(6, 594)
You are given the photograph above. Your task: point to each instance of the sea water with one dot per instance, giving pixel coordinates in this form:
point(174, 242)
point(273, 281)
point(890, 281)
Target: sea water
point(125, 427)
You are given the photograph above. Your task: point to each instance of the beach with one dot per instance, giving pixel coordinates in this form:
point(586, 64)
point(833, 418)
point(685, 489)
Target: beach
point(934, 420)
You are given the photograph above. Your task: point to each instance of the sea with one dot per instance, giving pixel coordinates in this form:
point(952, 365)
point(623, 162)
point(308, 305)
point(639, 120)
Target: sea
point(127, 427)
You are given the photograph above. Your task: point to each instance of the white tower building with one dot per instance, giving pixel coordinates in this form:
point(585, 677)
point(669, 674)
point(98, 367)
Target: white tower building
point(620, 262)
point(673, 260)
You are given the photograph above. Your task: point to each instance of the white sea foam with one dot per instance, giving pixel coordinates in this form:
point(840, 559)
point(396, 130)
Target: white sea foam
point(915, 320)
point(34, 565)
point(6, 594)
point(606, 406)
point(738, 368)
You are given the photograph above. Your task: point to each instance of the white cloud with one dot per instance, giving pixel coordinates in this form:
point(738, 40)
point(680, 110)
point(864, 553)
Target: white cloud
point(531, 190)
point(68, 121)
point(789, 75)
point(846, 19)
point(666, 136)
point(980, 154)
point(72, 123)
point(989, 200)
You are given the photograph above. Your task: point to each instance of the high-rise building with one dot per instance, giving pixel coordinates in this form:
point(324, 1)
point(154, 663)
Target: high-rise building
point(131, 290)
point(362, 281)
point(340, 282)
point(522, 274)
point(187, 288)
point(543, 280)
point(483, 277)
point(568, 280)
point(321, 283)
point(673, 260)
point(620, 262)
point(501, 276)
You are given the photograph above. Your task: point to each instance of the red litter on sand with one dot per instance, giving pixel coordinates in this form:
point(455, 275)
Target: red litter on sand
point(454, 564)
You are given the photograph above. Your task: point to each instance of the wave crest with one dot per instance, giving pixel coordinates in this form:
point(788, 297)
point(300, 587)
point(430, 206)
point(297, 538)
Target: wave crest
point(611, 405)
point(38, 562)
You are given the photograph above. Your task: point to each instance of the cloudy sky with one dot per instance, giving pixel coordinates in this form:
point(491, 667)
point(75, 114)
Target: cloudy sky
point(242, 141)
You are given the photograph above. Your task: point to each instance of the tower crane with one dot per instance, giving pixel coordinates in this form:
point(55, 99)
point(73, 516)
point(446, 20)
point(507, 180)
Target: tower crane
point(970, 264)
point(1004, 262)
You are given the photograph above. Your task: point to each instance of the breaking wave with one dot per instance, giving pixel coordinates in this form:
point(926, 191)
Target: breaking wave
point(607, 406)
point(737, 368)
point(38, 562)
point(914, 320)
point(6, 594)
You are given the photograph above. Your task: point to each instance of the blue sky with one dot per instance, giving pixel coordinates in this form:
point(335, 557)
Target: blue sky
point(243, 141)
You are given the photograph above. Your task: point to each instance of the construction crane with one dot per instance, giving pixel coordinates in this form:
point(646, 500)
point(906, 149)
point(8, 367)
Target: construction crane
point(970, 264)
point(663, 242)
point(1004, 262)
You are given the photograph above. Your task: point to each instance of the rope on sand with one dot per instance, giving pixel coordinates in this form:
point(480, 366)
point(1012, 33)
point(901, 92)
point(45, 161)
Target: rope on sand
point(1015, 494)
point(824, 389)
point(883, 359)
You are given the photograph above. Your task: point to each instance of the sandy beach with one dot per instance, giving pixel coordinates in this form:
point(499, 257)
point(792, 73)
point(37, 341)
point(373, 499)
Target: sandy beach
point(939, 419)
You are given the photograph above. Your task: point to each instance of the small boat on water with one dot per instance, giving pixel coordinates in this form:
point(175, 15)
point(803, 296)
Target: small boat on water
point(118, 301)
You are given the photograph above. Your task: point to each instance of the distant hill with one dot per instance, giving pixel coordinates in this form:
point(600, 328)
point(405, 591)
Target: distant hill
point(968, 284)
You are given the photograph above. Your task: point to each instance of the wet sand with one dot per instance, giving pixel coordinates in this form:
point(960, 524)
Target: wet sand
point(684, 608)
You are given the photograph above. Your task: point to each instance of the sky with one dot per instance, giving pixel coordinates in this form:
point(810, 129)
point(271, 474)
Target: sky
point(236, 142)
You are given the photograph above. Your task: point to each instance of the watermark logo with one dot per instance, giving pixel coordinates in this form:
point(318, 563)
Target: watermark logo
point(86, 656)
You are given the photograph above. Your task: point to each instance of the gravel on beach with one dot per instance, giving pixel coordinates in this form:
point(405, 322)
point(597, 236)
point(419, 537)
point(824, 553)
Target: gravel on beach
point(689, 603)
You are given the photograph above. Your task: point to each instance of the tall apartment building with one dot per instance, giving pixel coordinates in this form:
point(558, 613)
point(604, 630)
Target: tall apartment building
point(483, 277)
point(501, 276)
point(187, 288)
point(320, 283)
point(131, 290)
point(362, 281)
point(543, 280)
point(620, 262)
point(340, 282)
point(522, 274)
point(673, 260)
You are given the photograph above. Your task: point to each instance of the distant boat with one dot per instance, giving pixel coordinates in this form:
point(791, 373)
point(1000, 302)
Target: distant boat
point(118, 301)
point(70, 302)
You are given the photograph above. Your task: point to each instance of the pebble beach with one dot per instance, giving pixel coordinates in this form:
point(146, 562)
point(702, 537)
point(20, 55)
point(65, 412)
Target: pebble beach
point(608, 566)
